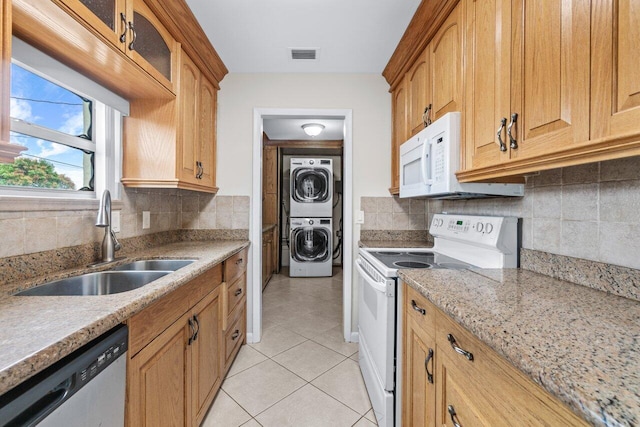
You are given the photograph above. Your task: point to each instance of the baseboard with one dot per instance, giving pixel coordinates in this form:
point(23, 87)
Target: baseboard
point(250, 338)
point(355, 337)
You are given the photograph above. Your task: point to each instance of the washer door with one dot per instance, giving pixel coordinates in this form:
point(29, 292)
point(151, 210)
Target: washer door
point(309, 244)
point(310, 185)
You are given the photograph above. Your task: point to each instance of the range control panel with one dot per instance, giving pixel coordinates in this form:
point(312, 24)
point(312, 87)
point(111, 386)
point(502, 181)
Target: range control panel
point(484, 230)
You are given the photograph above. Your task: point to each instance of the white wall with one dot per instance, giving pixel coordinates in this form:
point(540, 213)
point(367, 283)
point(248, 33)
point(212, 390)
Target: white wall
point(367, 95)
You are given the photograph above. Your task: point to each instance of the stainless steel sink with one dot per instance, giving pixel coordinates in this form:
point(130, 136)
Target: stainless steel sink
point(155, 264)
point(100, 283)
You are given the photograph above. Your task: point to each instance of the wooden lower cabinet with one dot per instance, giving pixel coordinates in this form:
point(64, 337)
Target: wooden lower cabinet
point(478, 390)
point(180, 348)
point(157, 380)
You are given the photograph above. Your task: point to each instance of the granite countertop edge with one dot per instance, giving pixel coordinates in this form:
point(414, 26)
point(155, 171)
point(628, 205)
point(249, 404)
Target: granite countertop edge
point(26, 354)
point(598, 382)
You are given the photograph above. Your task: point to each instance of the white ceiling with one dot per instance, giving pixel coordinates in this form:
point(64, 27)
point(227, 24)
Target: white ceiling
point(353, 36)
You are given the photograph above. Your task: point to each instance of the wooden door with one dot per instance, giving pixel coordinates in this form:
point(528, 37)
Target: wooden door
point(206, 354)
point(550, 75)
point(419, 92)
point(400, 133)
point(419, 397)
point(158, 380)
point(487, 80)
point(207, 98)
point(107, 18)
point(187, 149)
point(446, 65)
point(615, 74)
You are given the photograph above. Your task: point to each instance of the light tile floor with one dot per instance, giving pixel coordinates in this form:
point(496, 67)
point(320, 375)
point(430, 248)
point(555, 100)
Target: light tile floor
point(302, 373)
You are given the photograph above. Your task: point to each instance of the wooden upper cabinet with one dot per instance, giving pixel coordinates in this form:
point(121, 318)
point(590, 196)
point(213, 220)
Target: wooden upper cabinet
point(445, 51)
point(526, 64)
point(487, 79)
point(196, 127)
point(550, 74)
point(399, 132)
point(615, 68)
point(133, 28)
point(419, 92)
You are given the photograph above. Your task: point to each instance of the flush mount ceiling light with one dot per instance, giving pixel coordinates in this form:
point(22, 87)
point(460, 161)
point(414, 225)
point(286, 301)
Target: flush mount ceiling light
point(313, 129)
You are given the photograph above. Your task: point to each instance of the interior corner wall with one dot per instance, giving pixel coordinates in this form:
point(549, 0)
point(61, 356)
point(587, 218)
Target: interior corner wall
point(367, 95)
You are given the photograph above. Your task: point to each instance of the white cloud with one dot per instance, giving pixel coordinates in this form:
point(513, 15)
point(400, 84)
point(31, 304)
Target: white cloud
point(74, 124)
point(49, 149)
point(21, 109)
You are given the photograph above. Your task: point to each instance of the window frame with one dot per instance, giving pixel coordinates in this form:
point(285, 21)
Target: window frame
point(107, 135)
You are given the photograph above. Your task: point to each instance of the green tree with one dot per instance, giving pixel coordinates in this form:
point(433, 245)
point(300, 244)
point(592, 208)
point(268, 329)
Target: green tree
point(26, 172)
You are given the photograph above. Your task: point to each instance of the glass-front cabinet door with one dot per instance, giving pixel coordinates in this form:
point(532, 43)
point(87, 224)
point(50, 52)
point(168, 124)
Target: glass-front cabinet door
point(133, 28)
point(150, 44)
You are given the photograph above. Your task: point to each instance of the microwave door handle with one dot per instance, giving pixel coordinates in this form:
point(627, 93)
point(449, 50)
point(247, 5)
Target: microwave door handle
point(426, 163)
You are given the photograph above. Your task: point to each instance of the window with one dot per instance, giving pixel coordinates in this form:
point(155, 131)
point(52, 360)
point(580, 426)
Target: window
point(71, 127)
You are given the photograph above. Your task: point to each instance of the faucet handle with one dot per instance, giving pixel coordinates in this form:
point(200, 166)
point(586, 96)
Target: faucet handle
point(116, 245)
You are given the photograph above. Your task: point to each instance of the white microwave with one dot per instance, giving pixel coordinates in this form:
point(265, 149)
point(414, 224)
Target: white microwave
point(430, 159)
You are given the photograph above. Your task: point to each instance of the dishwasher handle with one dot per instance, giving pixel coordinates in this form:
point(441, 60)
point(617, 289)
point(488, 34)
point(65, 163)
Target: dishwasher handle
point(34, 413)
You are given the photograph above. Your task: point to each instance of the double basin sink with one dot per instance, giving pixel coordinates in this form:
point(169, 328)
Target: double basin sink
point(123, 278)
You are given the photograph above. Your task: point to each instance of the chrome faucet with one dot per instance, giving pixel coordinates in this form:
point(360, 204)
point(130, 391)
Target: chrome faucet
point(109, 244)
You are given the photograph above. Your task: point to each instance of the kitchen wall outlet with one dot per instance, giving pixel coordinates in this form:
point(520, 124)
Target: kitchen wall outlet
point(146, 220)
point(360, 217)
point(115, 221)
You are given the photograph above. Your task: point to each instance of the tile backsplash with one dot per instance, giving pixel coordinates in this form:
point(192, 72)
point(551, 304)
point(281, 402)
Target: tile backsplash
point(53, 227)
point(587, 211)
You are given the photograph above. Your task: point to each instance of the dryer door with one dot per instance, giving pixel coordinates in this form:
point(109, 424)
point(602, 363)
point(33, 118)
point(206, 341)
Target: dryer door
point(310, 185)
point(310, 244)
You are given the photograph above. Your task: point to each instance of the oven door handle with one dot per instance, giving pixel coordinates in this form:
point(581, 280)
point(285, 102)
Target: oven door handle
point(380, 287)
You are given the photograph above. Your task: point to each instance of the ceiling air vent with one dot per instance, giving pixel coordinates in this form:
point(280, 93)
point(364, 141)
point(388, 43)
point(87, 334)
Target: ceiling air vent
point(306, 54)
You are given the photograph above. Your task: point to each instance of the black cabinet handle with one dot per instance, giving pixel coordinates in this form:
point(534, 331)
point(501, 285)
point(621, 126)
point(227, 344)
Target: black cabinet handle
point(459, 350)
point(417, 308)
point(133, 35)
point(195, 319)
point(123, 36)
point(426, 116)
point(193, 331)
point(454, 416)
point(238, 292)
point(512, 141)
point(426, 366)
point(239, 261)
point(235, 335)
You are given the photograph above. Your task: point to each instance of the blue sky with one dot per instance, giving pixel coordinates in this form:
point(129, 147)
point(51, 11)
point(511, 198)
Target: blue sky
point(36, 100)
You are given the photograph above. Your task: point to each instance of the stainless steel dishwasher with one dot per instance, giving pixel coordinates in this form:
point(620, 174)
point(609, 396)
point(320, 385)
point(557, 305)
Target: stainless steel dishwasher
point(84, 389)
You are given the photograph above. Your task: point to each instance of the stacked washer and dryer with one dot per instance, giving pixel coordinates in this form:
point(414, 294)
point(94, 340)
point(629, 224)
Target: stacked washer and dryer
point(311, 211)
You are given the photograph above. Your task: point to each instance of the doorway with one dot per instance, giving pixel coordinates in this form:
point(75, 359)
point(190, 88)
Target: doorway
point(254, 320)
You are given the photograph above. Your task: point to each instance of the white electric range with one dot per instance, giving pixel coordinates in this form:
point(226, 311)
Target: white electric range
point(460, 241)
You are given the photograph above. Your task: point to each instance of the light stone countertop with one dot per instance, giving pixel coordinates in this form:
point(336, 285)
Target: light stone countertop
point(38, 331)
point(580, 344)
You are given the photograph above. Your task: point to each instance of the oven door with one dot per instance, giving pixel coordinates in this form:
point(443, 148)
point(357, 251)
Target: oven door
point(376, 325)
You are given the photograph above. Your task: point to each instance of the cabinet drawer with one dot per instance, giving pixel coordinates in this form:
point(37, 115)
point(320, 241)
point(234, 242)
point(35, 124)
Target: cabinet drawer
point(235, 265)
point(420, 310)
point(153, 320)
point(234, 336)
point(234, 296)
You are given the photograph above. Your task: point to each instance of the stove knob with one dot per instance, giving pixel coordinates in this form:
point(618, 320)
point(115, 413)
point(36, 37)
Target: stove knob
point(489, 228)
point(479, 227)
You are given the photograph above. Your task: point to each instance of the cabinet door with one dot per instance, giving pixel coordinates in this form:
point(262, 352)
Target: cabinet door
point(399, 133)
point(550, 74)
point(487, 80)
point(615, 77)
point(150, 44)
point(158, 388)
point(206, 356)
point(105, 17)
point(419, 92)
point(419, 398)
point(188, 126)
point(446, 65)
point(207, 131)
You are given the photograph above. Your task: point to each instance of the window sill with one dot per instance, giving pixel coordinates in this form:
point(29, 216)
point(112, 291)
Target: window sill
point(30, 203)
